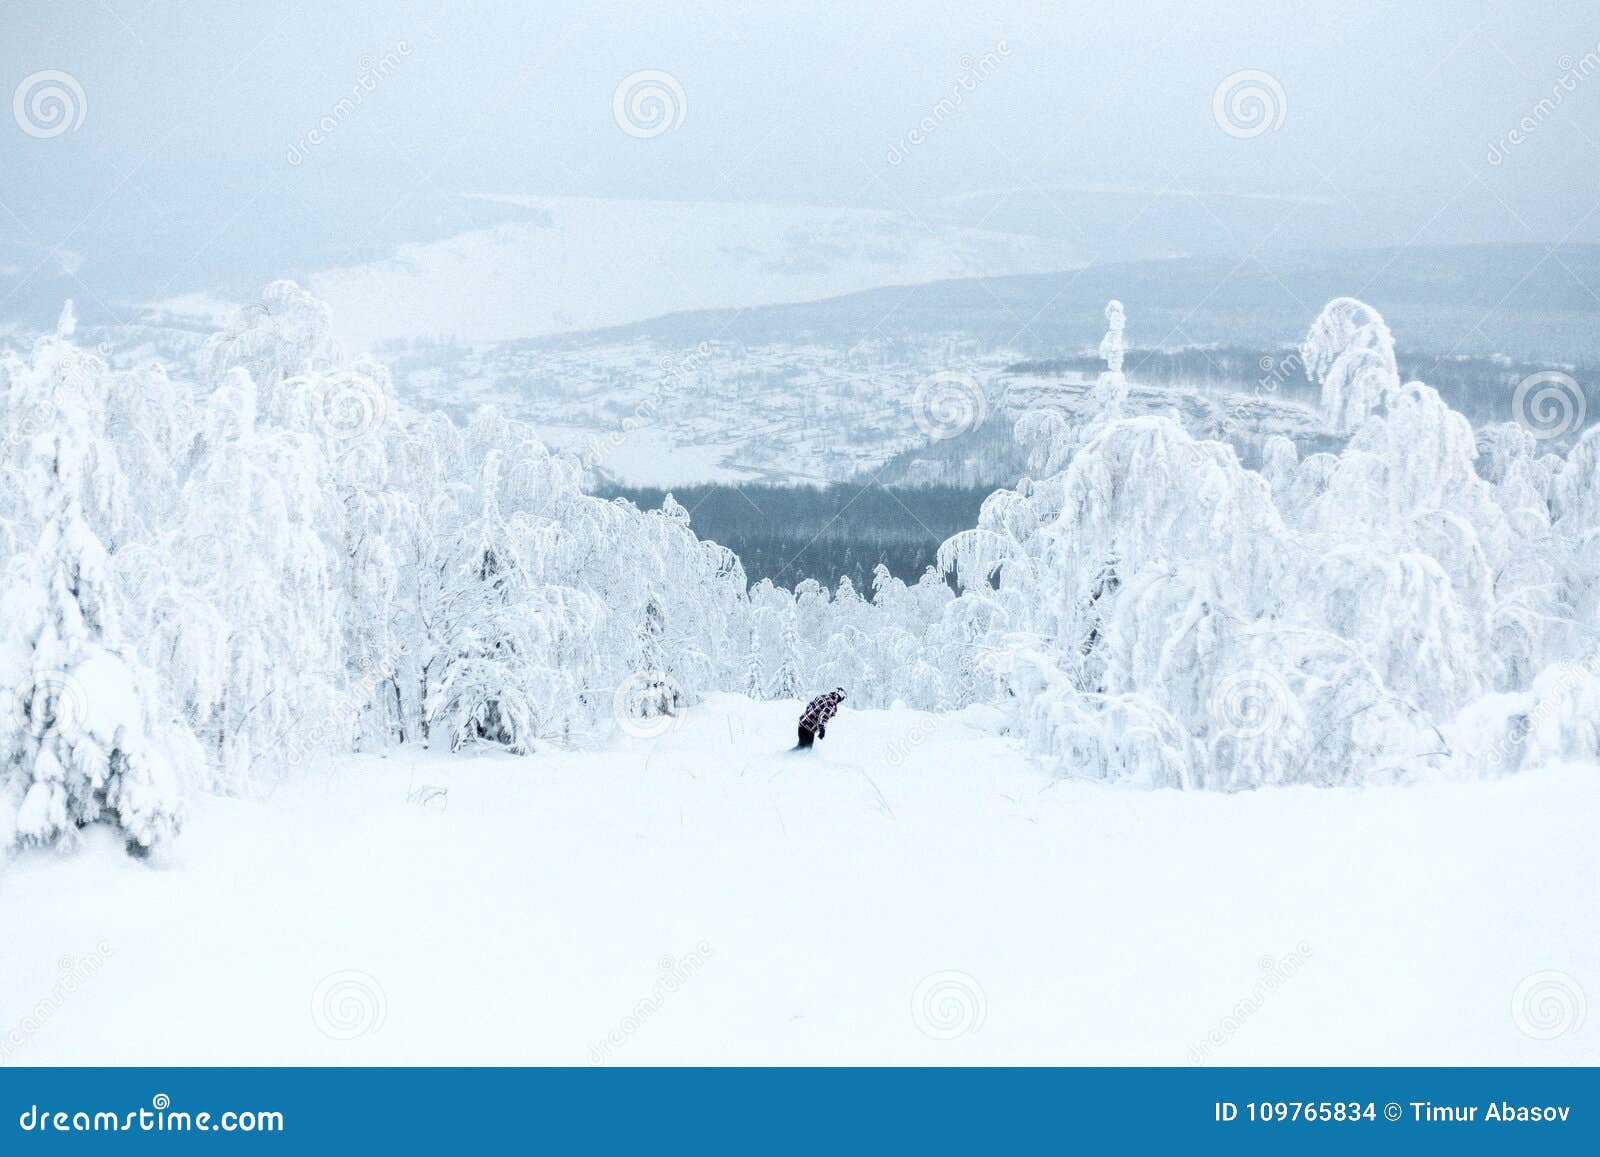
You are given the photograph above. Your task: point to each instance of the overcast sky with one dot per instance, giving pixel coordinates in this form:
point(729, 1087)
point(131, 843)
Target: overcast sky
point(1383, 124)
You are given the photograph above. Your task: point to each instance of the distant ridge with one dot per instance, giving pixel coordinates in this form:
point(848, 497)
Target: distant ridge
point(1527, 301)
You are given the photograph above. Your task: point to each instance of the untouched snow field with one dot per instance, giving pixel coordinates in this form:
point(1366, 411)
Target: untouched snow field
point(913, 891)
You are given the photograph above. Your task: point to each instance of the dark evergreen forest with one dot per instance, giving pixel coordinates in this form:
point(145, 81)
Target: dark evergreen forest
point(791, 533)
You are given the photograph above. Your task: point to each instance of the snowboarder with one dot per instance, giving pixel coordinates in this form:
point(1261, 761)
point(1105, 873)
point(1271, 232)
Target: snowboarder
point(814, 723)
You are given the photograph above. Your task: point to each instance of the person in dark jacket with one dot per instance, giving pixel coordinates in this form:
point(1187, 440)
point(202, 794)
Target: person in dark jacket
point(814, 722)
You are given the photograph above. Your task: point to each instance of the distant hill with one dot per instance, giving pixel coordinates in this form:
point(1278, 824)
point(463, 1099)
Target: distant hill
point(829, 390)
point(1530, 302)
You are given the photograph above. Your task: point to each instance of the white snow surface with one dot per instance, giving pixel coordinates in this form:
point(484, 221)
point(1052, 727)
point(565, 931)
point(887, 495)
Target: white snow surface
point(800, 904)
point(585, 263)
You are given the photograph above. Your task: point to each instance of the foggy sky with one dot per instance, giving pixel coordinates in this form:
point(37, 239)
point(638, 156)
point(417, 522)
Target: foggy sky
point(1096, 122)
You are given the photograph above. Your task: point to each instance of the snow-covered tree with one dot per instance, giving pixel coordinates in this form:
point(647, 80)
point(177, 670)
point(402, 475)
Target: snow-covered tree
point(1350, 351)
point(84, 738)
point(281, 560)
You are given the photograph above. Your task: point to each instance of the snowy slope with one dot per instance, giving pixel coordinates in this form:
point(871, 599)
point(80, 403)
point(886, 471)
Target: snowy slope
point(913, 891)
point(582, 263)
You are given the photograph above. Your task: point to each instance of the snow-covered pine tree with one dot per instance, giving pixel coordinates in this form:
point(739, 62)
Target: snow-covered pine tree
point(250, 544)
point(83, 738)
point(789, 666)
point(755, 674)
point(1112, 388)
